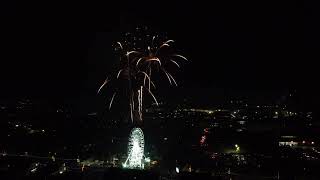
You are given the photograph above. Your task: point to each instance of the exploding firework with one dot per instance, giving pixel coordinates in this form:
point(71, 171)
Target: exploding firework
point(152, 53)
point(141, 55)
point(158, 57)
point(129, 77)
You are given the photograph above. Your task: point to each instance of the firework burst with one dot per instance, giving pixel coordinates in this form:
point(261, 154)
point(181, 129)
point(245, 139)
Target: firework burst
point(140, 55)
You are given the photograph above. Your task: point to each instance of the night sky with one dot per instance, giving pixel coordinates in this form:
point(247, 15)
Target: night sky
point(64, 50)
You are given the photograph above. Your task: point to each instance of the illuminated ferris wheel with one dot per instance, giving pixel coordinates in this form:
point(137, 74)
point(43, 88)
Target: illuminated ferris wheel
point(135, 150)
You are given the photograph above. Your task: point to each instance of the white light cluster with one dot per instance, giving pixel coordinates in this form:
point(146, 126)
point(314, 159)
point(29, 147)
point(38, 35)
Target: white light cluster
point(135, 150)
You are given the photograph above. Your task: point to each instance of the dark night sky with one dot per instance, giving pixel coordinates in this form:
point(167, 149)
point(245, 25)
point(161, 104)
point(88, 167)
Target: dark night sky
point(59, 50)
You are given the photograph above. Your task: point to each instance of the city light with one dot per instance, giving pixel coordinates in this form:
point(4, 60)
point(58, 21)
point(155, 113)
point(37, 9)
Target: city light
point(177, 170)
point(33, 170)
point(202, 140)
point(237, 147)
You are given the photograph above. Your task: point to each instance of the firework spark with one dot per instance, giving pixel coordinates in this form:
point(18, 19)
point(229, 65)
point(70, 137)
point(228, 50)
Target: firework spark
point(167, 76)
point(120, 45)
point(178, 55)
point(110, 104)
point(119, 72)
point(173, 79)
point(104, 83)
point(174, 62)
point(154, 98)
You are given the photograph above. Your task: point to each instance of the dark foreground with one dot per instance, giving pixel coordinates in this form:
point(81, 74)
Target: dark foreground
point(126, 174)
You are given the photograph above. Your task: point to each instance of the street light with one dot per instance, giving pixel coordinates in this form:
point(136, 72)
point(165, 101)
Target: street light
point(237, 147)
